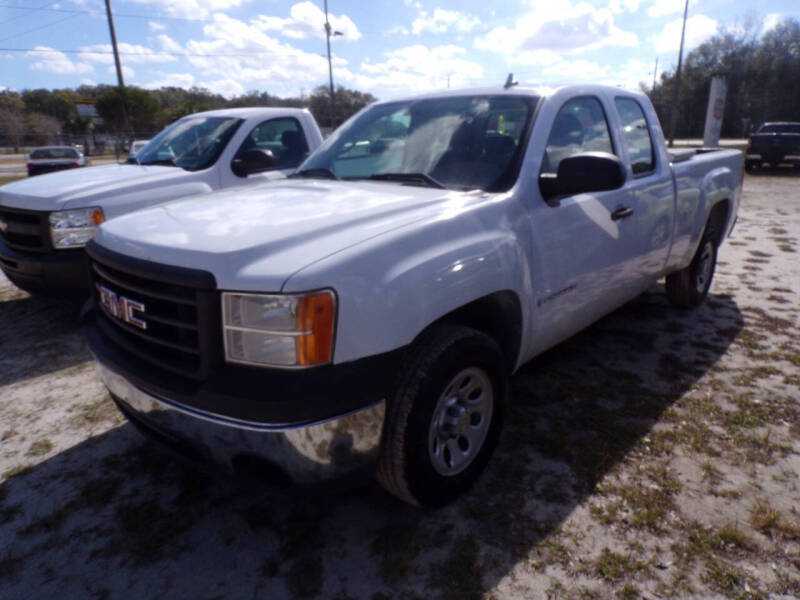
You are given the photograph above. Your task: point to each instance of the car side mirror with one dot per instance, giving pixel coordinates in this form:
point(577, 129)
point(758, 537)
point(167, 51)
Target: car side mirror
point(582, 173)
point(250, 161)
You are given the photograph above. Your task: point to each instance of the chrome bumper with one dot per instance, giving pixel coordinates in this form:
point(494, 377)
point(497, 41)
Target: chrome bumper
point(302, 453)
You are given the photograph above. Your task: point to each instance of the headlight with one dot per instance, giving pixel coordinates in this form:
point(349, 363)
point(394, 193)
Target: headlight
point(73, 228)
point(279, 330)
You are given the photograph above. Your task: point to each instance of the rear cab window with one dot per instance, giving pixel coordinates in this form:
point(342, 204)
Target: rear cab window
point(580, 126)
point(636, 135)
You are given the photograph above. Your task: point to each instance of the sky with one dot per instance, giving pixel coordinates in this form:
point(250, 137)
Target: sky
point(385, 48)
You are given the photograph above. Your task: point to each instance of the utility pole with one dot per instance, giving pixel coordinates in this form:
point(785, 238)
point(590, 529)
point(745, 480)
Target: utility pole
point(114, 44)
point(655, 72)
point(330, 63)
point(674, 119)
point(120, 81)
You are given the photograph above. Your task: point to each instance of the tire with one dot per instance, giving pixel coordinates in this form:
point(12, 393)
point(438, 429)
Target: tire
point(688, 287)
point(751, 165)
point(450, 394)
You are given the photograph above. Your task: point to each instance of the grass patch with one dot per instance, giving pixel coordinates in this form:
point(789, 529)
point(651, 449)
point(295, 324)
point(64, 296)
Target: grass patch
point(40, 447)
point(17, 471)
point(613, 566)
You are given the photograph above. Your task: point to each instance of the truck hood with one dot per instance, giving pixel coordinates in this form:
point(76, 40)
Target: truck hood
point(254, 239)
point(81, 187)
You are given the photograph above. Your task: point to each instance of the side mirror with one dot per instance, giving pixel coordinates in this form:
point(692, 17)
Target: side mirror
point(582, 173)
point(250, 161)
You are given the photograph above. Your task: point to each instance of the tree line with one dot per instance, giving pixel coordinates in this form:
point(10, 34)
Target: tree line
point(762, 73)
point(37, 116)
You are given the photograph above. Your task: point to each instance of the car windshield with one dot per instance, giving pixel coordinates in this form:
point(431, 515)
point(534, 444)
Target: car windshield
point(193, 143)
point(54, 153)
point(456, 142)
point(780, 128)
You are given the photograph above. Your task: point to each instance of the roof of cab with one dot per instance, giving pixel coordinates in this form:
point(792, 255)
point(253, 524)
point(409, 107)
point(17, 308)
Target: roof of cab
point(251, 111)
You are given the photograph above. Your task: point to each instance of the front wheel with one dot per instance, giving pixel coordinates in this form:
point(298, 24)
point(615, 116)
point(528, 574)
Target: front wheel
point(445, 416)
point(688, 287)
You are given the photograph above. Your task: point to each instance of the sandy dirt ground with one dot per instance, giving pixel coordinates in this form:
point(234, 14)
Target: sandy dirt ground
point(656, 454)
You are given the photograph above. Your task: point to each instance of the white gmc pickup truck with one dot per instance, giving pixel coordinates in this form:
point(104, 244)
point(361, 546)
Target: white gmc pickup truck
point(46, 221)
point(368, 311)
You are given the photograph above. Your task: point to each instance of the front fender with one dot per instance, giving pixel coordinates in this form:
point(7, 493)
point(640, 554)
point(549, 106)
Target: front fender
point(389, 294)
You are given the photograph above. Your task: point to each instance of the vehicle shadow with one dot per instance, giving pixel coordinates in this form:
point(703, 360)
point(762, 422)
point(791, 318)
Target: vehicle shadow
point(38, 336)
point(111, 517)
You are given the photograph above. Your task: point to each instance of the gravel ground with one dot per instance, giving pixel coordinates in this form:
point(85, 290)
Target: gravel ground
point(656, 454)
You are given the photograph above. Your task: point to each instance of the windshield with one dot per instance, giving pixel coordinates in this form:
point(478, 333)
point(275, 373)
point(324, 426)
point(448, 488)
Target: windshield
point(55, 153)
point(192, 143)
point(780, 128)
point(456, 142)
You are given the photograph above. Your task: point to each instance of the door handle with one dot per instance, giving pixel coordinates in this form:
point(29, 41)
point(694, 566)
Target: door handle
point(623, 212)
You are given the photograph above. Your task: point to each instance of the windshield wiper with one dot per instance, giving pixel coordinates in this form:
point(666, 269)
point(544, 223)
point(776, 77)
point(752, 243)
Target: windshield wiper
point(317, 172)
point(408, 177)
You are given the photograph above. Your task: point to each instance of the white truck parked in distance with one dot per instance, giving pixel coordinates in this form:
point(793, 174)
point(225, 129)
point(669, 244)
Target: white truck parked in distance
point(46, 221)
point(369, 311)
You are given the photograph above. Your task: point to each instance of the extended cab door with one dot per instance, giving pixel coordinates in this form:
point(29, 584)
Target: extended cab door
point(650, 187)
point(283, 137)
point(584, 245)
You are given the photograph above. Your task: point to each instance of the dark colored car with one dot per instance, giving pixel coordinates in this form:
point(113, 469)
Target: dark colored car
point(54, 158)
point(774, 143)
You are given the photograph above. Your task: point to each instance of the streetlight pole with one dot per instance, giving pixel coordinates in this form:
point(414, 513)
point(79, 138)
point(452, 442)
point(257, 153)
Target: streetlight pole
point(120, 81)
point(330, 64)
point(674, 120)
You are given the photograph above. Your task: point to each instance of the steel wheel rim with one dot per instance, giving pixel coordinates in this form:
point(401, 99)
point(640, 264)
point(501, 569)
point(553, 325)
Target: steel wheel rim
point(704, 268)
point(461, 421)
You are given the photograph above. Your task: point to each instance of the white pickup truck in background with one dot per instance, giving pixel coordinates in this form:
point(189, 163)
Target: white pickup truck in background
point(370, 309)
point(45, 221)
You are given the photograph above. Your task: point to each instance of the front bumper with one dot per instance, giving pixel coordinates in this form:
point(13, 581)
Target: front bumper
point(60, 273)
point(300, 453)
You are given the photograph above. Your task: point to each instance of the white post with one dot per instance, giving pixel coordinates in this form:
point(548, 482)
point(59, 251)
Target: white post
point(714, 112)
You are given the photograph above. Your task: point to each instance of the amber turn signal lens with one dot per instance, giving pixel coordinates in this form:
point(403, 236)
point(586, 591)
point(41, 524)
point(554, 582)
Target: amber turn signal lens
point(315, 315)
point(97, 217)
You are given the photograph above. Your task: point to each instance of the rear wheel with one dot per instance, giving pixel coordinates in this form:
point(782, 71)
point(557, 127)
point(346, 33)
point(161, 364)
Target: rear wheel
point(751, 165)
point(688, 287)
point(445, 416)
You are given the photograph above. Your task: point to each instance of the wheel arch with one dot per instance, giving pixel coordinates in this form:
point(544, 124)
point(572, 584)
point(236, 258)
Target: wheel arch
point(498, 315)
point(717, 221)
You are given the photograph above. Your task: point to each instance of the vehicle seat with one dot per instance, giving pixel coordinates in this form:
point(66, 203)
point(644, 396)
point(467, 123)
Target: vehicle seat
point(296, 148)
point(462, 163)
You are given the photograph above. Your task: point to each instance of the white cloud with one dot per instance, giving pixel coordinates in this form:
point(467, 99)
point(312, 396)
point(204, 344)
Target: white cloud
point(770, 21)
point(442, 21)
point(418, 68)
point(155, 26)
point(698, 29)
point(181, 80)
point(243, 52)
point(57, 62)
point(554, 29)
point(619, 6)
point(129, 53)
point(660, 8)
point(167, 44)
point(397, 30)
point(306, 20)
point(191, 9)
point(226, 87)
point(127, 72)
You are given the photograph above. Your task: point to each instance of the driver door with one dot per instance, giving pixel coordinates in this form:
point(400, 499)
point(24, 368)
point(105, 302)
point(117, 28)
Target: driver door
point(284, 138)
point(584, 248)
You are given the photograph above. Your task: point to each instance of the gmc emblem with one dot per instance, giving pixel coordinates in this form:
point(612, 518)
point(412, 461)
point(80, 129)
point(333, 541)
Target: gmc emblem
point(121, 307)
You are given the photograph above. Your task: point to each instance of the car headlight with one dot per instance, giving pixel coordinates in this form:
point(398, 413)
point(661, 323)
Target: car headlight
point(279, 330)
point(73, 228)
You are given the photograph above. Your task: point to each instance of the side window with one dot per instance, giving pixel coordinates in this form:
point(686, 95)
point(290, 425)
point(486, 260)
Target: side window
point(580, 126)
point(636, 135)
point(283, 137)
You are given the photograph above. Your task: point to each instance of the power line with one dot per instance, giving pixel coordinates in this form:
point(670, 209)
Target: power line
point(99, 13)
point(25, 15)
point(146, 54)
point(38, 28)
